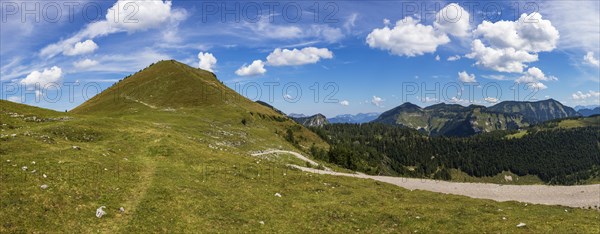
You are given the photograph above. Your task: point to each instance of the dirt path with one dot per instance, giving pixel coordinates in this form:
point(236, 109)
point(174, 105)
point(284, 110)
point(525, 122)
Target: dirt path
point(582, 196)
point(297, 155)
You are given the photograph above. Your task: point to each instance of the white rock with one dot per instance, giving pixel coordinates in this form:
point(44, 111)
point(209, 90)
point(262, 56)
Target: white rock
point(44, 186)
point(8, 161)
point(503, 218)
point(45, 176)
point(262, 222)
point(277, 195)
point(521, 225)
point(24, 168)
point(100, 212)
point(33, 162)
point(122, 210)
point(76, 147)
point(33, 171)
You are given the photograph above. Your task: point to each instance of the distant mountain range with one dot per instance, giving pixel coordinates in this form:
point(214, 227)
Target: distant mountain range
point(589, 112)
point(311, 121)
point(294, 115)
point(591, 107)
point(358, 118)
point(456, 120)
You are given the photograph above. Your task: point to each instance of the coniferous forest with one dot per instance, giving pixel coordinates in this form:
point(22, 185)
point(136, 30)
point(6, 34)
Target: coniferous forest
point(556, 156)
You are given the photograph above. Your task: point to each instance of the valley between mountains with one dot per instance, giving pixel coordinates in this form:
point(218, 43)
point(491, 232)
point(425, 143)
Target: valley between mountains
point(171, 149)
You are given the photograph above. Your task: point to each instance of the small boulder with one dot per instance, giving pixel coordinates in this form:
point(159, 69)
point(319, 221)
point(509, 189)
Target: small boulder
point(44, 186)
point(521, 225)
point(100, 212)
point(277, 195)
point(76, 147)
point(122, 210)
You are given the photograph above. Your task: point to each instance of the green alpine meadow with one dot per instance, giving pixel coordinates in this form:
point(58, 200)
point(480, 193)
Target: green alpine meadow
point(182, 163)
point(381, 116)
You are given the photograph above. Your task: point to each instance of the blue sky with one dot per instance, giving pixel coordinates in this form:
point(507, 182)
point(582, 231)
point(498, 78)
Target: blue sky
point(360, 56)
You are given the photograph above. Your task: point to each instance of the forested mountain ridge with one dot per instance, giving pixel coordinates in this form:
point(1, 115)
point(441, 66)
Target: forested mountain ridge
point(457, 120)
point(450, 119)
point(555, 155)
point(536, 112)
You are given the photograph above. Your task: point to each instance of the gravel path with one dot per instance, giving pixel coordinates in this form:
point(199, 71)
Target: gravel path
point(297, 155)
point(582, 196)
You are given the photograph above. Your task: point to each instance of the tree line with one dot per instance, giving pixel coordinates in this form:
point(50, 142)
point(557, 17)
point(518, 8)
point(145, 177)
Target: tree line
point(556, 156)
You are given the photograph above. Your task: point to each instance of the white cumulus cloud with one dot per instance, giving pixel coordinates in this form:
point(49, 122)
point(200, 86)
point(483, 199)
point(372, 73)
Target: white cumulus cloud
point(256, 68)
point(345, 103)
point(454, 20)
point(530, 33)
point(377, 101)
point(491, 99)
point(500, 59)
point(507, 46)
point(590, 94)
point(79, 48)
point(124, 16)
point(589, 59)
point(295, 57)
point(84, 64)
point(43, 77)
point(533, 78)
point(453, 58)
point(466, 77)
point(407, 38)
point(207, 61)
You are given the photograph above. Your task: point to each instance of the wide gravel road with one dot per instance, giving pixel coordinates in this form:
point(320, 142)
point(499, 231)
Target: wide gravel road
point(582, 196)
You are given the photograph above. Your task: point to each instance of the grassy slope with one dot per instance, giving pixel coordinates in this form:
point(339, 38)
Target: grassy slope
point(189, 170)
point(578, 122)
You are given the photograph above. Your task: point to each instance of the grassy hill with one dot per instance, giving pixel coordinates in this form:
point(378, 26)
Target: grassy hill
point(179, 163)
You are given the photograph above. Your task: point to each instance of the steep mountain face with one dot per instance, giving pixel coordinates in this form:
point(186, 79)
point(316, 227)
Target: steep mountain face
point(450, 119)
point(589, 112)
point(317, 120)
point(536, 112)
point(357, 119)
